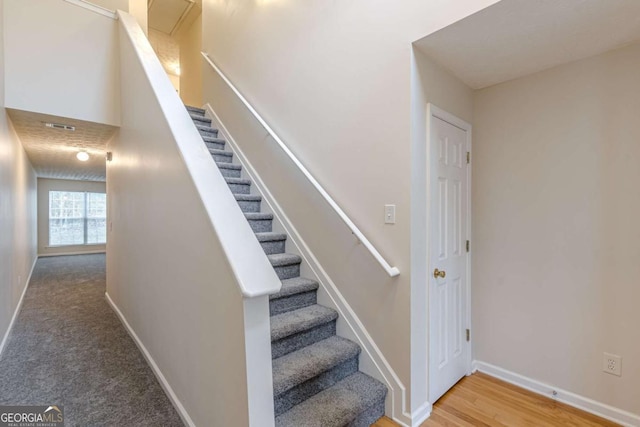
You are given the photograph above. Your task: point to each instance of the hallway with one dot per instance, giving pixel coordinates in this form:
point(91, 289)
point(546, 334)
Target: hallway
point(68, 348)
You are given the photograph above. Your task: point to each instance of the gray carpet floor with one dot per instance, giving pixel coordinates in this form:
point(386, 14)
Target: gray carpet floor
point(68, 348)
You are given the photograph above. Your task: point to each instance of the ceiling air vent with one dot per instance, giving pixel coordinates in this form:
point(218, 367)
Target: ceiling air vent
point(60, 126)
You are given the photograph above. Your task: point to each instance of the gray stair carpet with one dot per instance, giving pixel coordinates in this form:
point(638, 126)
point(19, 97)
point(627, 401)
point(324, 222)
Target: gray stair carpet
point(316, 381)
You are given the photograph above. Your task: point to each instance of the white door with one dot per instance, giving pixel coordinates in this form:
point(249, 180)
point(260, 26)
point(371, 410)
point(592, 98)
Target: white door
point(448, 259)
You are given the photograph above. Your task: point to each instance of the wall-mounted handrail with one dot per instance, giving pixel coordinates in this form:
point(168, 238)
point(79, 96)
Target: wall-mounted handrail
point(94, 8)
point(392, 271)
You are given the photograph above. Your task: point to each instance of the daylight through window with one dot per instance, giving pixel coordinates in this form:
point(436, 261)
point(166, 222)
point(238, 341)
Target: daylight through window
point(77, 218)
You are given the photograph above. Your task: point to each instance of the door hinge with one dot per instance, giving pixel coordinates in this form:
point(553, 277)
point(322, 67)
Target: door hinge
point(468, 335)
point(467, 246)
point(468, 157)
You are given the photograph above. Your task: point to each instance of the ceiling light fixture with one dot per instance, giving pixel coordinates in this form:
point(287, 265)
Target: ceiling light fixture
point(83, 156)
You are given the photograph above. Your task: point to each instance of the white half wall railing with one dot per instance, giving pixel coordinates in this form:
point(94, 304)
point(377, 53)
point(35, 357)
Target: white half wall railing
point(391, 271)
point(186, 274)
point(94, 8)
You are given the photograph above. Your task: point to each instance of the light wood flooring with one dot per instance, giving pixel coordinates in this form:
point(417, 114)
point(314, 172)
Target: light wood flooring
point(480, 400)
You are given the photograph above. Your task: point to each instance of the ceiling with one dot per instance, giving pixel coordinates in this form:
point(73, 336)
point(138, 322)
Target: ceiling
point(514, 38)
point(166, 16)
point(52, 152)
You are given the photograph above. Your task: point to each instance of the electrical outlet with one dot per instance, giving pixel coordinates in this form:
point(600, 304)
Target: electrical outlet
point(389, 214)
point(612, 364)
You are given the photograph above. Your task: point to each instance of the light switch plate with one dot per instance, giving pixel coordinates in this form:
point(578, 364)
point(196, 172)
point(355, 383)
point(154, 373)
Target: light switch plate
point(389, 214)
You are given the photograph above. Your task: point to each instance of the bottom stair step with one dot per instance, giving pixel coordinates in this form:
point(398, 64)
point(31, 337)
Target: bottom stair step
point(356, 401)
point(305, 372)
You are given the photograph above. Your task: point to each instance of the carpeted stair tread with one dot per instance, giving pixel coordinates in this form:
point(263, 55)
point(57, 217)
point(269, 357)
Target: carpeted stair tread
point(337, 406)
point(241, 181)
point(200, 119)
point(278, 260)
point(220, 152)
point(206, 130)
point(214, 140)
point(270, 236)
point(295, 286)
point(303, 319)
point(223, 165)
point(302, 365)
point(247, 197)
point(258, 215)
point(195, 110)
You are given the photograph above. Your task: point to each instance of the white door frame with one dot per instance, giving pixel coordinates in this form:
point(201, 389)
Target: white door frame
point(433, 111)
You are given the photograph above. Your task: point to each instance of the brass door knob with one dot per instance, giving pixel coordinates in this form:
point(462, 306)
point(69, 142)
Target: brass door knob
point(437, 273)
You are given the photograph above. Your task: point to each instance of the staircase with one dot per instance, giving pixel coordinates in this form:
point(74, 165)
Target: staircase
point(316, 382)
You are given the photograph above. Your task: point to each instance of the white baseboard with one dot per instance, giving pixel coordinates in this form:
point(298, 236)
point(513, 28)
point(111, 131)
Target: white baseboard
point(584, 403)
point(102, 251)
point(186, 419)
point(421, 414)
point(372, 361)
point(18, 307)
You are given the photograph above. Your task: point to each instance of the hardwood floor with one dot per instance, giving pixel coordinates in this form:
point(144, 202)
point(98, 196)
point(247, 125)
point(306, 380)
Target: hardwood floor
point(480, 400)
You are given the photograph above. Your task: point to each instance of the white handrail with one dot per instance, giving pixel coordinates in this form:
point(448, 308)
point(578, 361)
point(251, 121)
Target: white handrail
point(94, 8)
point(392, 271)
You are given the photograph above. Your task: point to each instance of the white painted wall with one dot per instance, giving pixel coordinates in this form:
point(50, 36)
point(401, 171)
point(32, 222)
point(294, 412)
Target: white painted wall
point(333, 80)
point(191, 63)
point(184, 268)
point(555, 226)
point(115, 4)
point(139, 10)
point(61, 60)
point(17, 212)
point(430, 83)
point(46, 185)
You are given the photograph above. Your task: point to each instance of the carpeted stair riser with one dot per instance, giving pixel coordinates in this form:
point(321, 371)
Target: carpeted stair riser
point(221, 156)
point(285, 401)
point(287, 271)
point(261, 225)
point(207, 131)
point(297, 341)
point(214, 145)
point(229, 172)
point(273, 247)
point(200, 120)
point(239, 188)
point(292, 302)
point(286, 266)
point(249, 203)
point(195, 110)
point(369, 415)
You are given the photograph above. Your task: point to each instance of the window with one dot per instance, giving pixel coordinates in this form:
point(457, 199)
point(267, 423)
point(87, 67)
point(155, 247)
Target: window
point(77, 218)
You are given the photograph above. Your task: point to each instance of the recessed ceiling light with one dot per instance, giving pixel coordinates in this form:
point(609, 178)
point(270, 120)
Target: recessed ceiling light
point(83, 156)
